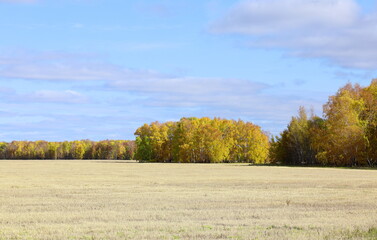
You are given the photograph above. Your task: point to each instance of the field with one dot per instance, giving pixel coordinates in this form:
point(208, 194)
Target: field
point(129, 200)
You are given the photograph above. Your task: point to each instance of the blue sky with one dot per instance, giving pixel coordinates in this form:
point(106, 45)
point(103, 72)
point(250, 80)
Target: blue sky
point(96, 69)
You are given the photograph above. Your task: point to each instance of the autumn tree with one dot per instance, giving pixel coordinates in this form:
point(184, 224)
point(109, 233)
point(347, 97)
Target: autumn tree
point(83, 149)
point(295, 145)
point(369, 116)
point(343, 141)
point(202, 140)
point(345, 136)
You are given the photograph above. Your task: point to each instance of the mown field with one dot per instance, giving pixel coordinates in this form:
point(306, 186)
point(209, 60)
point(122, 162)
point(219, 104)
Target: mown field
point(129, 200)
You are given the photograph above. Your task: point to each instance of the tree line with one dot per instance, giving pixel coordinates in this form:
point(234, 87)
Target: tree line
point(202, 140)
point(84, 149)
point(346, 135)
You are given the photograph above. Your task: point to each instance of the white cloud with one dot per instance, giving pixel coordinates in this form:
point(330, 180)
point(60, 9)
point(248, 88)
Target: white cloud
point(19, 1)
point(272, 16)
point(10, 95)
point(149, 91)
point(51, 96)
point(56, 68)
point(53, 67)
point(335, 30)
point(188, 85)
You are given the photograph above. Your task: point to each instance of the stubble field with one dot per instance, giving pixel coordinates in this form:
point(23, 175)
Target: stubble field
point(129, 200)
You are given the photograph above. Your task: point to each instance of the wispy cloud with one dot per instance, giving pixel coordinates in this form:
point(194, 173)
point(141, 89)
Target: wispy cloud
point(335, 30)
point(151, 91)
point(46, 126)
point(43, 96)
point(91, 27)
point(280, 16)
point(19, 1)
point(55, 67)
point(51, 96)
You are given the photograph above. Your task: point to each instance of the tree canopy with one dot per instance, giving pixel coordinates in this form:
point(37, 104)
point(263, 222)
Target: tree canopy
point(345, 136)
point(202, 140)
point(84, 149)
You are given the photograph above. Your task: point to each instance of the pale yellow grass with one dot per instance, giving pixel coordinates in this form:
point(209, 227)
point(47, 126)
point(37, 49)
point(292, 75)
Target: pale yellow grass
point(129, 200)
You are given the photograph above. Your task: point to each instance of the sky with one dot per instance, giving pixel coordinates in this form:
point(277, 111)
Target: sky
point(99, 69)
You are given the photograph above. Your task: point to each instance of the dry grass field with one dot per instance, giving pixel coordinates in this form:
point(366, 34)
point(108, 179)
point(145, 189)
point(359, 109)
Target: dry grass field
point(129, 200)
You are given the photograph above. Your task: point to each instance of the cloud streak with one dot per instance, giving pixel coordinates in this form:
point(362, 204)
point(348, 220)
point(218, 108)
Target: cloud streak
point(43, 96)
point(18, 1)
point(50, 96)
point(335, 30)
point(66, 68)
point(154, 95)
